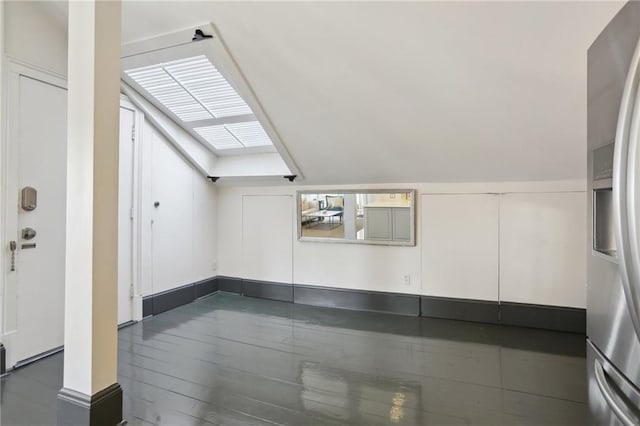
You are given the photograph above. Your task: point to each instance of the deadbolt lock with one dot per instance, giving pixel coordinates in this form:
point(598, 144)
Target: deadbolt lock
point(29, 198)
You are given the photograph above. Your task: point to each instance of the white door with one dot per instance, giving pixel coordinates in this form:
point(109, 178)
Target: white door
point(37, 151)
point(125, 215)
point(172, 217)
point(267, 238)
point(542, 243)
point(460, 229)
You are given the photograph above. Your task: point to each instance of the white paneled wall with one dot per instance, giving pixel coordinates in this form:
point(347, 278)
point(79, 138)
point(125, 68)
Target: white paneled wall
point(353, 266)
point(542, 246)
point(460, 245)
point(515, 247)
point(178, 237)
point(525, 247)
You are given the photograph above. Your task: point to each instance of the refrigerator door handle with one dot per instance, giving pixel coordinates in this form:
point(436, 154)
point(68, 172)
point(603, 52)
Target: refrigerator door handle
point(609, 396)
point(624, 170)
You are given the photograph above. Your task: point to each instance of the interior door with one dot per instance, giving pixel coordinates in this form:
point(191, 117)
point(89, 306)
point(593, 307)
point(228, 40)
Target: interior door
point(172, 217)
point(39, 151)
point(460, 229)
point(267, 237)
point(125, 215)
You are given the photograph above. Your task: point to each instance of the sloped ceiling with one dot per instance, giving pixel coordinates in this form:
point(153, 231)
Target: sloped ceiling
point(410, 92)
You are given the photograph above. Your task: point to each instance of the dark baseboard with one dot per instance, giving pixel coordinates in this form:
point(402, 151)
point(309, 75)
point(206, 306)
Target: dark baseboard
point(126, 324)
point(173, 298)
point(557, 318)
point(3, 359)
point(359, 300)
point(161, 302)
point(506, 313)
point(37, 357)
point(103, 408)
point(147, 306)
point(205, 287)
point(267, 290)
point(230, 285)
point(460, 309)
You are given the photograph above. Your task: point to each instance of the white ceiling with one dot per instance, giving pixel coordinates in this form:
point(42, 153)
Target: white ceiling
point(410, 92)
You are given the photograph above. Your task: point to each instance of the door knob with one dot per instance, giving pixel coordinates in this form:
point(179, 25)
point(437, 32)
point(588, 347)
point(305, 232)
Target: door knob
point(28, 233)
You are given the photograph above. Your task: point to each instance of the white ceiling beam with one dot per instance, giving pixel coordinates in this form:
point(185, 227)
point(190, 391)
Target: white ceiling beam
point(222, 121)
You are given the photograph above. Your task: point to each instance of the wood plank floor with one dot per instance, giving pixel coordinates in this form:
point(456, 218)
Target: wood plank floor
point(233, 360)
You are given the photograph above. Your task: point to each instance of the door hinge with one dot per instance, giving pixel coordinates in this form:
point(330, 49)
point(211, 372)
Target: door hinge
point(133, 132)
point(131, 292)
point(131, 212)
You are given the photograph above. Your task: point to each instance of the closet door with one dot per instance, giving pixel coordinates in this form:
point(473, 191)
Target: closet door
point(542, 246)
point(125, 215)
point(460, 246)
point(267, 238)
point(172, 217)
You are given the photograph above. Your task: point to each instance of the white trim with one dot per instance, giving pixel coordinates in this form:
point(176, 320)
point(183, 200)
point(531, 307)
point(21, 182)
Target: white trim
point(137, 220)
point(36, 73)
point(125, 102)
point(35, 67)
point(236, 75)
point(163, 41)
point(3, 138)
point(138, 122)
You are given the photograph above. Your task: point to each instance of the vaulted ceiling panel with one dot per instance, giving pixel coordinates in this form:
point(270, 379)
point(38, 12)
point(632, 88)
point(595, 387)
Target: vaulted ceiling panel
point(364, 92)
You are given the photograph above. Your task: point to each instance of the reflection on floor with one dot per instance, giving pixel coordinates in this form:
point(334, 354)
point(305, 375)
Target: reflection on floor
point(233, 360)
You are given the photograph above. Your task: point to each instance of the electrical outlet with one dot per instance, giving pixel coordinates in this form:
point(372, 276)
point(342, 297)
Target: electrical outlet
point(407, 280)
point(214, 265)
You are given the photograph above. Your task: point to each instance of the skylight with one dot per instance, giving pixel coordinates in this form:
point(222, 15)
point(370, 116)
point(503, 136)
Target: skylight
point(199, 96)
point(218, 136)
point(169, 93)
point(235, 135)
point(249, 134)
point(207, 86)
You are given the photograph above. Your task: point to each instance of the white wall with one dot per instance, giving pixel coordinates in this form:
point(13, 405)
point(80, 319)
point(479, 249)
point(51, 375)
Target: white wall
point(179, 236)
point(36, 33)
point(557, 240)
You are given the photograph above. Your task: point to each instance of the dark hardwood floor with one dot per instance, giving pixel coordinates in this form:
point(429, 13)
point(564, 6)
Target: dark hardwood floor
point(233, 360)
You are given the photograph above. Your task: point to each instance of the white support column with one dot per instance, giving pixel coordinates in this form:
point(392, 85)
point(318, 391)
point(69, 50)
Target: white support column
point(91, 394)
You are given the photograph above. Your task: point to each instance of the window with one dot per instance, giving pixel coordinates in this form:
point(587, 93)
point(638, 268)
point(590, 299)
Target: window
point(196, 94)
point(235, 135)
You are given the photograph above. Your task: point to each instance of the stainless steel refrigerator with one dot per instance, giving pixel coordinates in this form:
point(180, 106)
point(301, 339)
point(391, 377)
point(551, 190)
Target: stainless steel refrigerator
point(613, 255)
